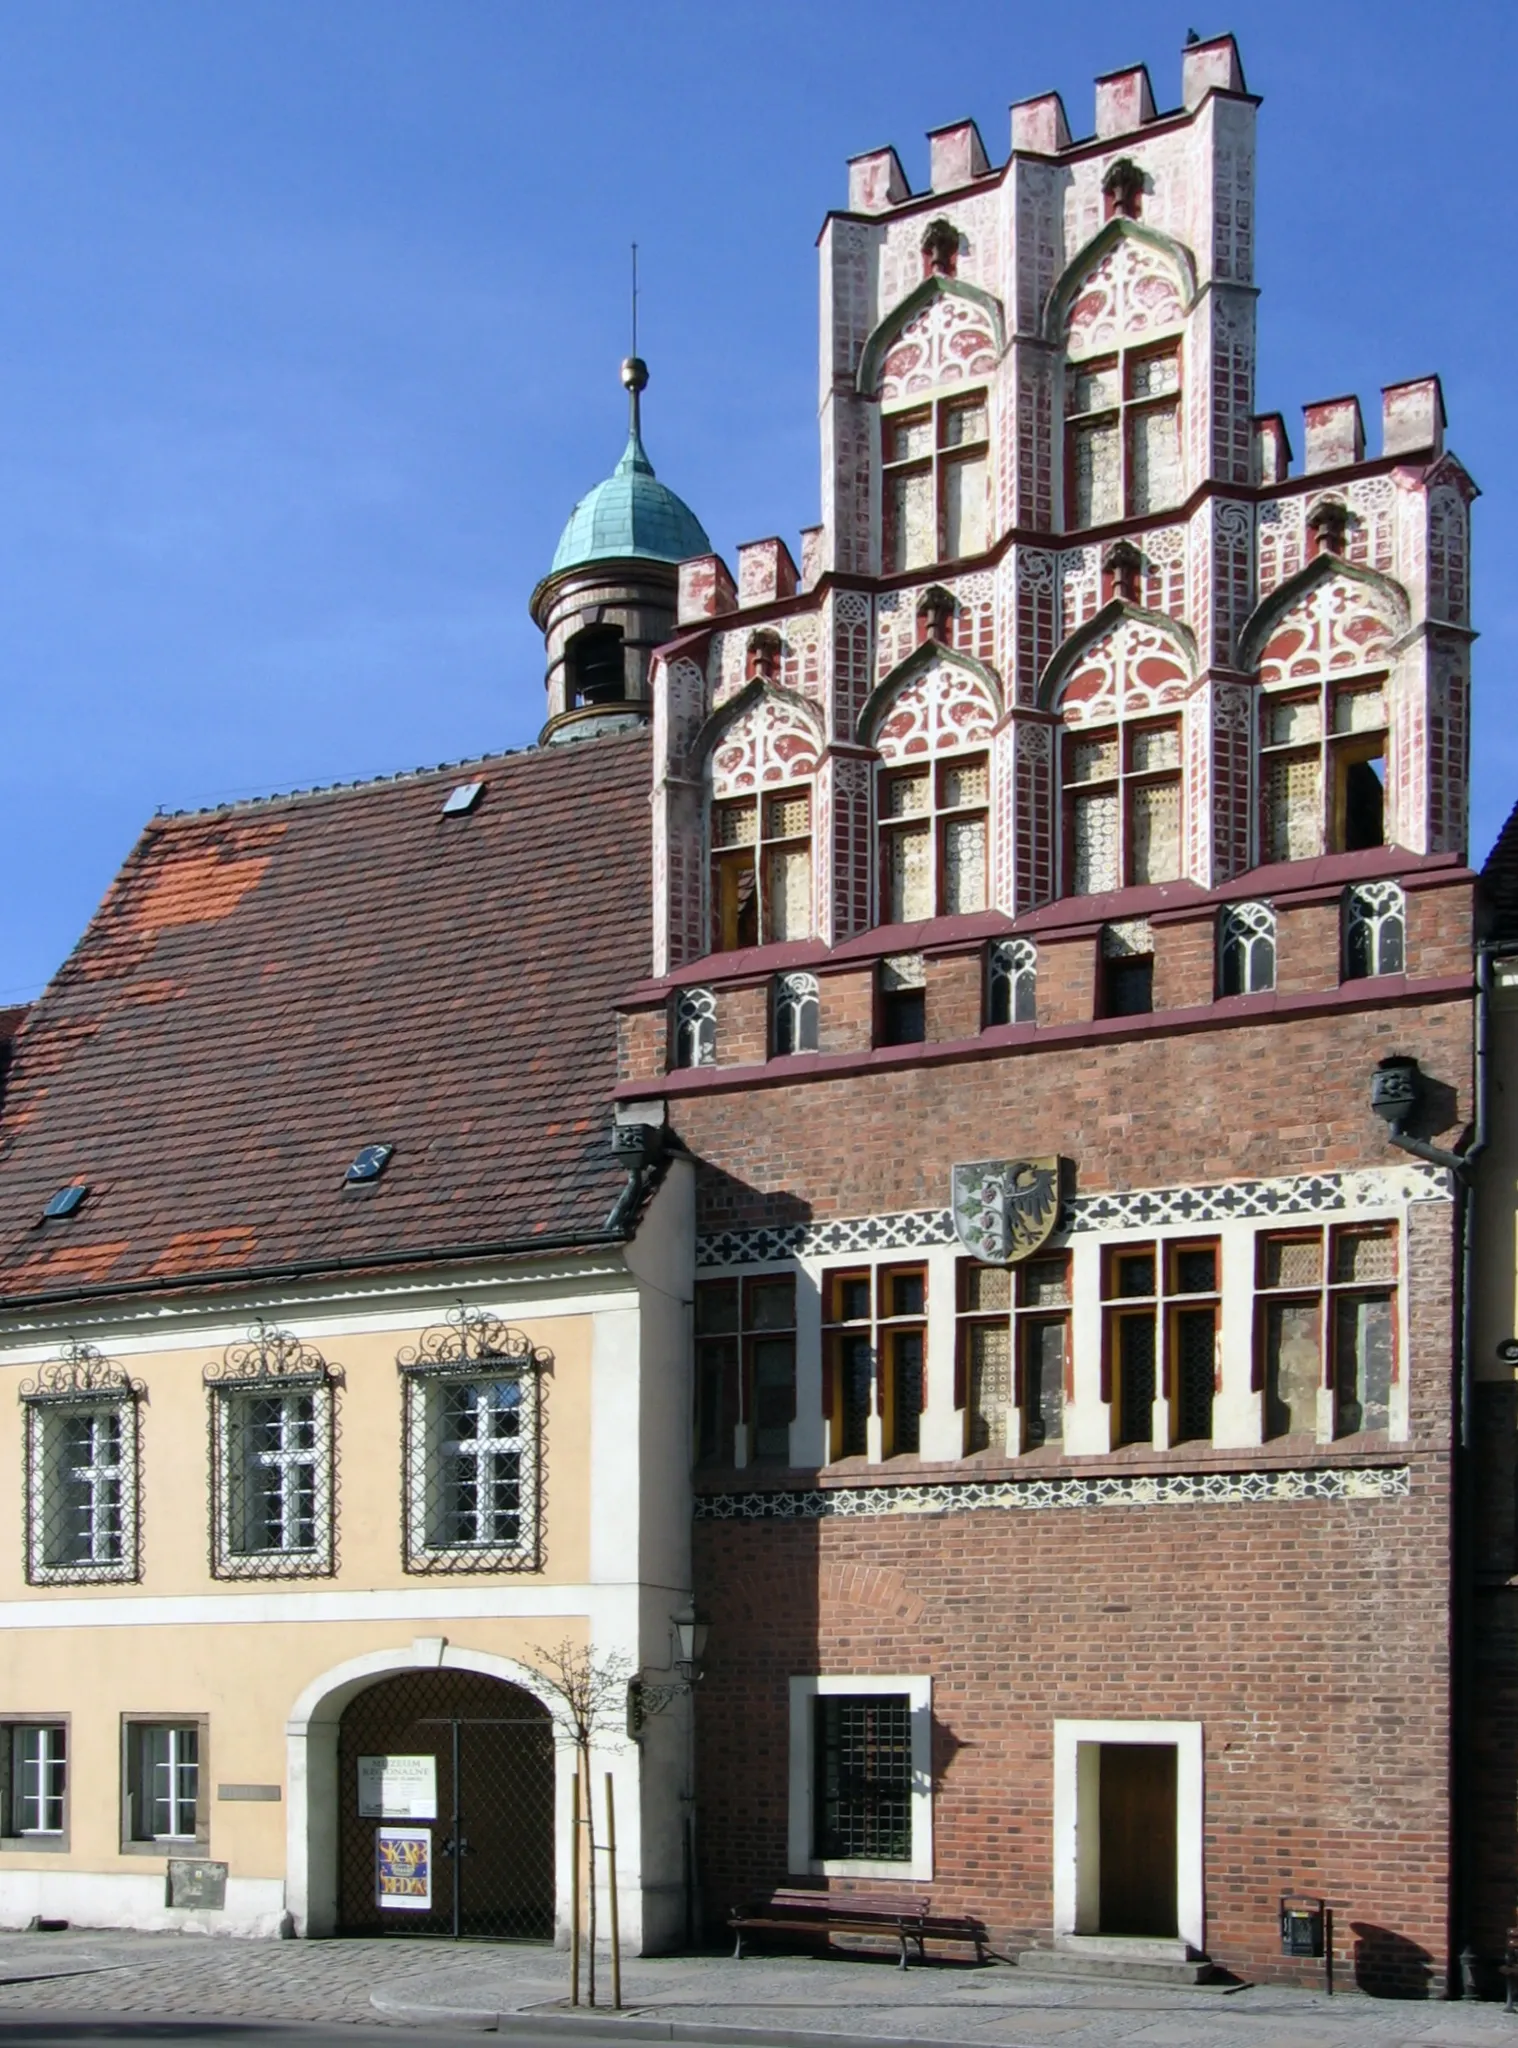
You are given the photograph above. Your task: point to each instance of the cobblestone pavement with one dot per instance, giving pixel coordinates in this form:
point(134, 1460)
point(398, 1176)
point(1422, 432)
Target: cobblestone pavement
point(427, 1985)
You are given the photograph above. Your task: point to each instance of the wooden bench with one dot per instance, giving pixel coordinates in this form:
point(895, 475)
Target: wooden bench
point(904, 1918)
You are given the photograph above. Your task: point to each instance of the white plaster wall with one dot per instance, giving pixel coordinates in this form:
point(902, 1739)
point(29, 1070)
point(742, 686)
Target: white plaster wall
point(86, 1898)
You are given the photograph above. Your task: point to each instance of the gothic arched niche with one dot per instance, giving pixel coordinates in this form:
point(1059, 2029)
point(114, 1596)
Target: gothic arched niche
point(1128, 285)
point(1126, 664)
point(942, 333)
point(762, 739)
point(1328, 621)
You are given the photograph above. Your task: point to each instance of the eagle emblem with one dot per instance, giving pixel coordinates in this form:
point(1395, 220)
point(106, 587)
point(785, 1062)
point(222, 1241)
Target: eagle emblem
point(1004, 1209)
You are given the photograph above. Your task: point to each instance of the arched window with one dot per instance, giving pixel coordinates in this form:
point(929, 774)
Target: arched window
point(933, 839)
point(1122, 805)
point(1375, 930)
point(935, 481)
point(1012, 982)
point(696, 1028)
point(1246, 949)
point(1322, 769)
point(597, 674)
point(796, 1011)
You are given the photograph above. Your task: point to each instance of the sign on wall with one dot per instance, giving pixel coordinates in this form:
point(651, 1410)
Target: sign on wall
point(1005, 1209)
point(397, 1788)
point(403, 1869)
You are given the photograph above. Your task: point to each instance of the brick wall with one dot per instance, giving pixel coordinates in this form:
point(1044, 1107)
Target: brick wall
point(1184, 963)
point(743, 1026)
point(954, 1006)
point(847, 1019)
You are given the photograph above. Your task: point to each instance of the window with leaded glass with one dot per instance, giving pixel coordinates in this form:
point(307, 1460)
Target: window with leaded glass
point(761, 869)
point(1043, 1347)
point(81, 1483)
point(795, 1013)
point(1122, 791)
point(1322, 769)
point(875, 1359)
point(1375, 930)
point(1122, 435)
point(273, 1426)
point(696, 1028)
point(472, 1417)
point(1192, 1308)
point(933, 839)
point(1161, 1305)
point(34, 1758)
point(1012, 982)
point(862, 1791)
point(1326, 1324)
point(1246, 949)
point(936, 482)
point(1014, 1352)
point(1130, 1319)
point(985, 1354)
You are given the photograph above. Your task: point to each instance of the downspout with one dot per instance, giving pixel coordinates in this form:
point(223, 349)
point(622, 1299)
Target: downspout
point(1395, 1095)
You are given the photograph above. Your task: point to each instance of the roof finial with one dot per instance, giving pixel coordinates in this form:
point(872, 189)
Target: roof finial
point(635, 370)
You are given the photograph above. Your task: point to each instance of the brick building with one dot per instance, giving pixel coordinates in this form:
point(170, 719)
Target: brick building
point(1042, 873)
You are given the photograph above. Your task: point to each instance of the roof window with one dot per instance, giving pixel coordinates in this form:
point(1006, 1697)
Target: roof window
point(66, 1201)
point(463, 799)
point(368, 1164)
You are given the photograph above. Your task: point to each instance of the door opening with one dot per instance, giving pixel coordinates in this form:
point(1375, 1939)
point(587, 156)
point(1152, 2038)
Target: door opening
point(1137, 1835)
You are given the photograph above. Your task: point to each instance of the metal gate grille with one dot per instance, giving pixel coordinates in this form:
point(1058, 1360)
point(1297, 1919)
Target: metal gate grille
point(493, 1871)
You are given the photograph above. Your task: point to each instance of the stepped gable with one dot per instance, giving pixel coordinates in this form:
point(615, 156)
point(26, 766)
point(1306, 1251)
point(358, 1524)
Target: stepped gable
point(269, 987)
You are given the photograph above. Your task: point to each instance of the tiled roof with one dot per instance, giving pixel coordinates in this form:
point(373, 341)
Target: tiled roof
point(269, 987)
point(1499, 884)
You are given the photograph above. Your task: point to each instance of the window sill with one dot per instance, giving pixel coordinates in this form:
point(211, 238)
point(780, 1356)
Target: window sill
point(166, 1846)
point(34, 1845)
point(901, 1870)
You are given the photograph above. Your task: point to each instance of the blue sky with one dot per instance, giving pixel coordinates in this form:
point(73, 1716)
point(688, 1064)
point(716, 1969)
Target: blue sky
point(310, 315)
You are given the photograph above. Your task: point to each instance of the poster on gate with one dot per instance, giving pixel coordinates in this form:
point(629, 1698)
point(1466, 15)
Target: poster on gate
point(403, 1869)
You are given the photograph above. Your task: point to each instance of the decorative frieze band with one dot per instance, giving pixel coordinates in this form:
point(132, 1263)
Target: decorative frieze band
point(1291, 1195)
point(959, 1497)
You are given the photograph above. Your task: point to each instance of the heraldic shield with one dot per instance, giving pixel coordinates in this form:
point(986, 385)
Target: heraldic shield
point(1004, 1209)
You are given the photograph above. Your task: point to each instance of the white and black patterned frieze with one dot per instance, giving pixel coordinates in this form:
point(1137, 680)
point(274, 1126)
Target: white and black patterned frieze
point(967, 1496)
point(1230, 1201)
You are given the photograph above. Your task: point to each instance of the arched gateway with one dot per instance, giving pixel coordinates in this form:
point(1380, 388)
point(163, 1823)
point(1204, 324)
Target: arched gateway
point(445, 1809)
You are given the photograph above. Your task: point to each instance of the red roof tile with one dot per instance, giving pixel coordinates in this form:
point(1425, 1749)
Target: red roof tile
point(268, 988)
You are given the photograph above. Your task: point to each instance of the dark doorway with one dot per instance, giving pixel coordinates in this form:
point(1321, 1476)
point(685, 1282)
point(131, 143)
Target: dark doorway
point(597, 674)
point(489, 1846)
point(1138, 1838)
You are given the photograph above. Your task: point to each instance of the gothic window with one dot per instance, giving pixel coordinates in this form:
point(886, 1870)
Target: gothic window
point(1160, 1336)
point(1014, 1348)
point(1012, 982)
point(1122, 435)
point(761, 869)
point(933, 839)
point(1350, 1322)
point(1375, 930)
point(273, 1428)
point(597, 673)
point(795, 1013)
point(936, 482)
point(875, 1358)
point(81, 1431)
point(1122, 806)
point(903, 1000)
point(1246, 949)
point(695, 1028)
point(1322, 770)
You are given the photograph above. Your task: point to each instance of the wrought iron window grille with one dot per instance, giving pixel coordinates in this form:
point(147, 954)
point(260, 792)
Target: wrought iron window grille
point(273, 1436)
point(82, 1498)
point(473, 1407)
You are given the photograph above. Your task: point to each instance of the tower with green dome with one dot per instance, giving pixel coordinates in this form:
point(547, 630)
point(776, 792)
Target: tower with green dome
point(609, 598)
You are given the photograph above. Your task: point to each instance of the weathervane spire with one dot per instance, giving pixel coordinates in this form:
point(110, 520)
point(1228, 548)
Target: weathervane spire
point(634, 369)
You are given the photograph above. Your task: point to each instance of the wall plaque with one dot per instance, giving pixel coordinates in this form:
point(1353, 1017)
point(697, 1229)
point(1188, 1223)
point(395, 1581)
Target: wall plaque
point(198, 1883)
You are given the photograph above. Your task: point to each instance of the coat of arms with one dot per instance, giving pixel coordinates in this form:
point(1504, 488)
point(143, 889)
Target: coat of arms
point(1004, 1209)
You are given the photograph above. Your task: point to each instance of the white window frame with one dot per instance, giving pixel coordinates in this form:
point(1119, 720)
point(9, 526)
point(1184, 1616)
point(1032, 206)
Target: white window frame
point(14, 1734)
point(1077, 1826)
point(801, 1862)
point(45, 1420)
point(137, 1799)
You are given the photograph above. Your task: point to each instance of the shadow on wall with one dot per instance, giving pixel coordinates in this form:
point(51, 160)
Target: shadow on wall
point(1388, 1965)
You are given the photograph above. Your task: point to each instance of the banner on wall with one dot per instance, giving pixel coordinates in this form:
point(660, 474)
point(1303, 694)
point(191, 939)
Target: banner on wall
point(403, 1869)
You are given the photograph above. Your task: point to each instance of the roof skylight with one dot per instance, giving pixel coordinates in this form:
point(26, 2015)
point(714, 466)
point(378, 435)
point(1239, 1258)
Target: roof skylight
point(66, 1201)
point(368, 1164)
point(463, 799)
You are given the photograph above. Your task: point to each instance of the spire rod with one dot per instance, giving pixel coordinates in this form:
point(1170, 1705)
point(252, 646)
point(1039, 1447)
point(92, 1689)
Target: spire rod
point(634, 369)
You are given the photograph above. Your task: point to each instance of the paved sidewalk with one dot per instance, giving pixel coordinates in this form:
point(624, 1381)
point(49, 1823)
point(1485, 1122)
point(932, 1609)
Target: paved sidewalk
point(426, 1985)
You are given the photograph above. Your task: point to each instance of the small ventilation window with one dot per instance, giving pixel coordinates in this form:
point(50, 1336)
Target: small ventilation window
point(463, 799)
point(368, 1164)
point(66, 1201)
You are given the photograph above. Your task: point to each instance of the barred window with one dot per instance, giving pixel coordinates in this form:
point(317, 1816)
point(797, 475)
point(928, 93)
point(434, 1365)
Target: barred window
point(82, 1482)
point(165, 1781)
point(797, 1010)
point(862, 1753)
point(273, 1419)
point(1012, 982)
point(472, 1421)
point(35, 1761)
point(696, 1028)
point(1375, 930)
point(1246, 949)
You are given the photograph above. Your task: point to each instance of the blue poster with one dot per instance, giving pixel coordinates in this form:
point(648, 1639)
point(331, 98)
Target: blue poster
point(403, 1869)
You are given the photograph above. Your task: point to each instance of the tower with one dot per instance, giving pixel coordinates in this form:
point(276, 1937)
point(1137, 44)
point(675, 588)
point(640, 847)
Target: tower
point(609, 598)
